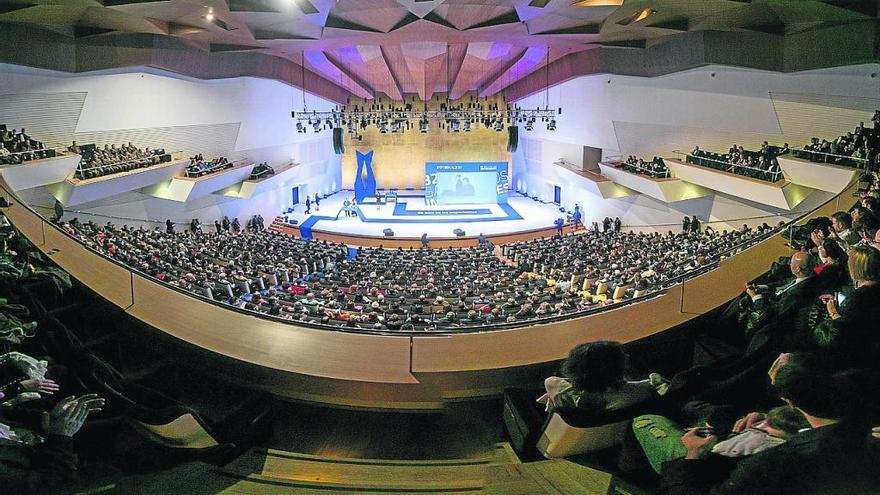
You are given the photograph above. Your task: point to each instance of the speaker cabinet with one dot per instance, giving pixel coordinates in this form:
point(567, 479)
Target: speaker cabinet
point(512, 138)
point(338, 144)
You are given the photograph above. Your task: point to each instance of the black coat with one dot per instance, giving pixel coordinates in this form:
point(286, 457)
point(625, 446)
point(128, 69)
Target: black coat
point(832, 460)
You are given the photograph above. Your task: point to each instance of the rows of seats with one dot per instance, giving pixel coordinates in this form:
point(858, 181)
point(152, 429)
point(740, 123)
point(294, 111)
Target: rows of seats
point(859, 148)
point(199, 167)
point(17, 146)
point(761, 165)
point(71, 421)
point(655, 168)
point(777, 382)
point(411, 289)
point(109, 160)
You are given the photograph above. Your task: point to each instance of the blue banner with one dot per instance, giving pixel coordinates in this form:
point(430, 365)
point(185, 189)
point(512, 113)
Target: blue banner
point(466, 182)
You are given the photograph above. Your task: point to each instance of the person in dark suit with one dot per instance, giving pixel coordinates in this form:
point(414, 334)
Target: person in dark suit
point(686, 224)
point(835, 456)
point(841, 224)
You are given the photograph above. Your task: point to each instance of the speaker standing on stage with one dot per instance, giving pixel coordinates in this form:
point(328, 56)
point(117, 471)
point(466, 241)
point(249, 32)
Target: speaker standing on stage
point(425, 240)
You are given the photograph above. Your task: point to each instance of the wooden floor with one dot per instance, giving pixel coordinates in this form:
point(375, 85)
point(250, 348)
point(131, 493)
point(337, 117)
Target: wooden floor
point(461, 431)
point(261, 472)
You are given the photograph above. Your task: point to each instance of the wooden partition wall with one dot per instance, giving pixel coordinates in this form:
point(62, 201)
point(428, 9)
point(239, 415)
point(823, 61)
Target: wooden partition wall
point(401, 372)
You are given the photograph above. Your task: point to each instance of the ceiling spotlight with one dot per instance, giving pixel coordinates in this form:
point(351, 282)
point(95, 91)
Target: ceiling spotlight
point(423, 125)
point(300, 128)
point(210, 15)
point(552, 125)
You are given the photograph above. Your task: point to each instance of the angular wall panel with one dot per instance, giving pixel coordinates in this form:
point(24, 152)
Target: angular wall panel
point(48, 117)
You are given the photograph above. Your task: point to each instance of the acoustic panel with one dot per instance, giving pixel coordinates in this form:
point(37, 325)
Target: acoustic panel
point(209, 139)
point(48, 117)
point(803, 116)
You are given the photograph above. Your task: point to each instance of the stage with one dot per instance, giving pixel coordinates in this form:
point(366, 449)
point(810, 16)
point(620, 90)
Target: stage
point(409, 217)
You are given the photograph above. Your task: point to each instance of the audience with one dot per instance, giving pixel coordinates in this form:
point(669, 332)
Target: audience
point(858, 148)
point(755, 164)
point(262, 170)
point(834, 455)
point(308, 280)
point(98, 162)
point(594, 379)
point(17, 147)
point(655, 168)
point(198, 166)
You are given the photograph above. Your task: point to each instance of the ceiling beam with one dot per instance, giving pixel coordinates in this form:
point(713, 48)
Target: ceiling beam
point(499, 73)
point(355, 78)
point(457, 53)
point(395, 78)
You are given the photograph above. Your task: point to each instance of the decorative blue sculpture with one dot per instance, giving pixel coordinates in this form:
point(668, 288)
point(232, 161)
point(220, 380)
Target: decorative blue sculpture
point(365, 180)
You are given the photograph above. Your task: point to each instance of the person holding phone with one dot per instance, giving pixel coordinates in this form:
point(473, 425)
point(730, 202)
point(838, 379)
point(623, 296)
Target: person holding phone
point(849, 334)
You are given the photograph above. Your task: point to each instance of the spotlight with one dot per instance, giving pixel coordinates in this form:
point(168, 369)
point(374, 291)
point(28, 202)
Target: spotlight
point(423, 125)
point(467, 126)
point(552, 125)
point(528, 124)
point(210, 15)
point(300, 128)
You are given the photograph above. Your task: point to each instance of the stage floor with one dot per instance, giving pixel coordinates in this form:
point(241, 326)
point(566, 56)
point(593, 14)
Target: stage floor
point(411, 217)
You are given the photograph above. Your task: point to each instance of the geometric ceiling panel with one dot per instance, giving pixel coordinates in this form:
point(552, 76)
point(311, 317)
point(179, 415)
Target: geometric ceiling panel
point(420, 47)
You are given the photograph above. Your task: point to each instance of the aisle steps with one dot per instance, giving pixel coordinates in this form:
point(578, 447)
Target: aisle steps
point(263, 472)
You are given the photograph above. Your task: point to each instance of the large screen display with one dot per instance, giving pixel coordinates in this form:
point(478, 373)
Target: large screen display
point(457, 183)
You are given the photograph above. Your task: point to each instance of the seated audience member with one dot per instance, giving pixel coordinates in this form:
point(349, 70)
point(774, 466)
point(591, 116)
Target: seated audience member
point(841, 224)
point(836, 455)
point(594, 379)
point(849, 336)
point(50, 460)
point(660, 438)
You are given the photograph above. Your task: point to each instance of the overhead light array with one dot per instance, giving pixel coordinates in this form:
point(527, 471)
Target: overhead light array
point(393, 119)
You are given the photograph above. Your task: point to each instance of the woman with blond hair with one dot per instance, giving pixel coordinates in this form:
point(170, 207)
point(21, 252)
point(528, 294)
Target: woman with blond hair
point(850, 333)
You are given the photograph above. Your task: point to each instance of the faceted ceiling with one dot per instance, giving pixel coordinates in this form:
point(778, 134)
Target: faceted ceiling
point(422, 47)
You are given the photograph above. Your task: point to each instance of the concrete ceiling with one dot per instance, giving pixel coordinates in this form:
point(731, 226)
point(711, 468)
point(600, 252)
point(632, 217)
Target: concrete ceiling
point(422, 47)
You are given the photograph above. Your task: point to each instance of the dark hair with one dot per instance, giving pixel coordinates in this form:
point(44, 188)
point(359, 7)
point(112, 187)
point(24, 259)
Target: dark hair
point(834, 251)
point(817, 390)
point(843, 218)
point(595, 366)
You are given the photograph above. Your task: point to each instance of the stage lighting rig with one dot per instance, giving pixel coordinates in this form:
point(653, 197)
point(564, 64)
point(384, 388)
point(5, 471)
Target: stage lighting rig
point(451, 117)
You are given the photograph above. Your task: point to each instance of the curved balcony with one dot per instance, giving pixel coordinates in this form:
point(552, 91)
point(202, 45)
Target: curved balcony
point(414, 371)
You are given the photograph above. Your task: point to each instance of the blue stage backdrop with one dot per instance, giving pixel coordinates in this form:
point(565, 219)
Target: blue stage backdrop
point(457, 183)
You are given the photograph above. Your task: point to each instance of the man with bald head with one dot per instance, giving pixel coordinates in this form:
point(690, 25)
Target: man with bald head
point(786, 308)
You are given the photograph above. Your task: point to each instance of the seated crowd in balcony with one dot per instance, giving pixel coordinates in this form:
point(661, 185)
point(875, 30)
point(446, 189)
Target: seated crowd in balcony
point(655, 168)
point(755, 164)
point(390, 289)
point(198, 166)
point(777, 383)
point(857, 148)
point(262, 170)
point(17, 146)
point(98, 162)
